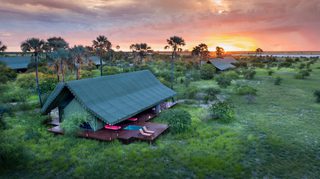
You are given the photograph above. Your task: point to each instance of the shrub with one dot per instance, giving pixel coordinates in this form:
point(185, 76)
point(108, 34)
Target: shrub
point(87, 74)
point(111, 70)
point(270, 72)
point(179, 120)
point(249, 74)
point(47, 83)
point(317, 95)
point(190, 92)
point(211, 94)
point(164, 81)
point(231, 74)
point(15, 95)
point(246, 90)
point(207, 71)
point(6, 74)
point(222, 111)
point(302, 74)
point(26, 81)
point(71, 125)
point(302, 66)
point(223, 81)
point(278, 81)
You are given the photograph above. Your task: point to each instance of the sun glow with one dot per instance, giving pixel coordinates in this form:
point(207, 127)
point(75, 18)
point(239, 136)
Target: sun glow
point(232, 43)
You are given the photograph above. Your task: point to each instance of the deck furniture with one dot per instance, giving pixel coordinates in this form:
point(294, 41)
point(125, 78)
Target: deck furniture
point(115, 128)
point(144, 134)
point(147, 131)
point(133, 119)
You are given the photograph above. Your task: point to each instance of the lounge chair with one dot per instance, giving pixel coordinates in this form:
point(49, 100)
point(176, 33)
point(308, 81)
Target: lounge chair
point(144, 134)
point(115, 128)
point(147, 131)
point(133, 119)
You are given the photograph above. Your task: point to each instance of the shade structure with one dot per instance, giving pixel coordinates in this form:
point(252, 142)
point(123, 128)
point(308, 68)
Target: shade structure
point(113, 98)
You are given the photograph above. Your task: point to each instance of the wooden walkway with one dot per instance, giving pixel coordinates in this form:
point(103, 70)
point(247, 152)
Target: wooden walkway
point(122, 134)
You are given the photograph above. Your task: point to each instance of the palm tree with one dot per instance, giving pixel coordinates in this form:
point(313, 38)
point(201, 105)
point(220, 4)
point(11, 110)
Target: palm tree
point(219, 52)
point(2, 47)
point(52, 45)
point(141, 49)
point(259, 51)
point(78, 52)
point(201, 51)
point(175, 43)
point(118, 47)
point(101, 45)
point(60, 55)
point(36, 46)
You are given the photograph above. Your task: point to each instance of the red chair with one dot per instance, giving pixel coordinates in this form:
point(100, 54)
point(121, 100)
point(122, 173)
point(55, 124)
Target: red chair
point(133, 119)
point(115, 128)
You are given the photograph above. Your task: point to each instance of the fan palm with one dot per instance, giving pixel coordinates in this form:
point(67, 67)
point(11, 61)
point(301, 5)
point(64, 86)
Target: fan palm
point(60, 55)
point(201, 51)
point(78, 53)
point(2, 47)
point(175, 43)
point(101, 45)
point(36, 46)
point(141, 49)
point(52, 45)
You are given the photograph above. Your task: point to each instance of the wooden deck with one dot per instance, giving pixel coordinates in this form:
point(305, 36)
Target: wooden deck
point(122, 134)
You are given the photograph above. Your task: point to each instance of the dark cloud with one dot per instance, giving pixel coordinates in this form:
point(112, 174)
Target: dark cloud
point(154, 20)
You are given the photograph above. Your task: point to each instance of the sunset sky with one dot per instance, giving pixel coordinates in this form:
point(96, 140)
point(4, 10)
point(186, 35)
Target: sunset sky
point(233, 24)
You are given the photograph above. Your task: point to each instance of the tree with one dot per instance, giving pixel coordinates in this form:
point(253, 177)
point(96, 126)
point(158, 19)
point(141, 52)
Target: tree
point(201, 51)
point(36, 46)
point(54, 44)
point(61, 56)
point(220, 51)
point(2, 47)
point(78, 52)
point(259, 51)
point(118, 47)
point(101, 45)
point(141, 49)
point(175, 43)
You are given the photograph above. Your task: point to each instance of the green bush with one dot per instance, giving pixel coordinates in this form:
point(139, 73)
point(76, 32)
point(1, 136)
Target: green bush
point(317, 95)
point(207, 71)
point(222, 111)
point(179, 120)
point(6, 74)
point(223, 81)
point(26, 81)
point(111, 70)
point(87, 74)
point(164, 81)
point(72, 124)
point(278, 81)
point(47, 83)
point(270, 72)
point(231, 74)
point(190, 92)
point(15, 95)
point(302, 74)
point(246, 90)
point(249, 74)
point(211, 94)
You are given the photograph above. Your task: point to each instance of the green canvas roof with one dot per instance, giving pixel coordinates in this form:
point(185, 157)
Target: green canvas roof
point(17, 62)
point(223, 63)
point(113, 98)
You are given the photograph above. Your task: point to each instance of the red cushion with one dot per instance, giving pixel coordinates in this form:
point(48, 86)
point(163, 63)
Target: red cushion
point(133, 119)
point(112, 127)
